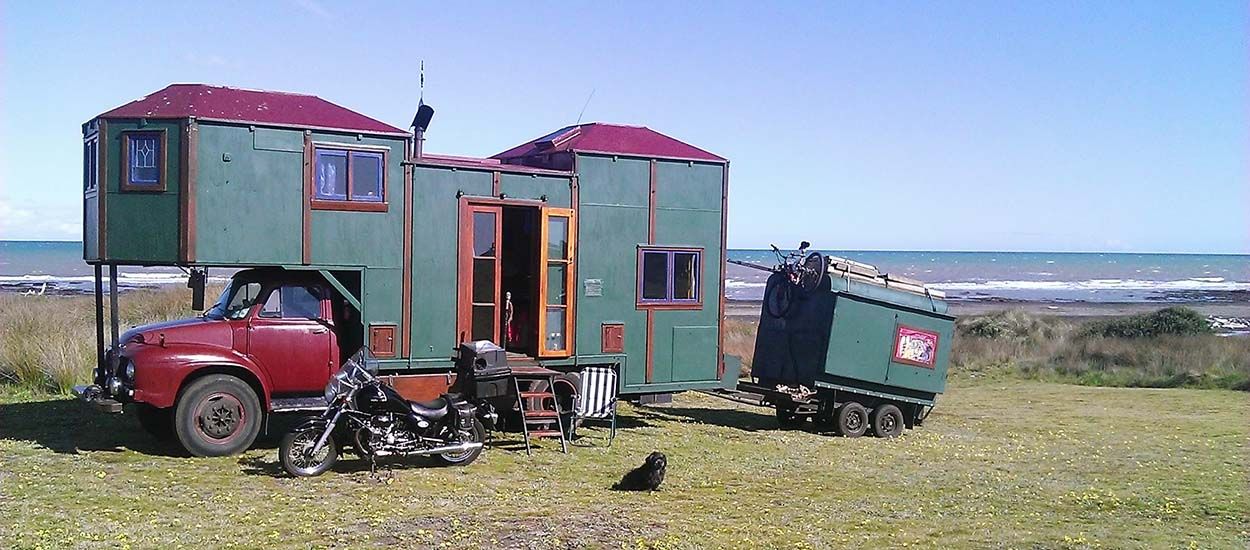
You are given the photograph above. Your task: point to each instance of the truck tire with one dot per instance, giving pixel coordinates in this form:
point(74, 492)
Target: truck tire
point(851, 420)
point(217, 415)
point(159, 423)
point(887, 421)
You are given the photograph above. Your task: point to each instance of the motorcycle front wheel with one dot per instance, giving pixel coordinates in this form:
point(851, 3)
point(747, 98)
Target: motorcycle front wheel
point(297, 457)
point(460, 459)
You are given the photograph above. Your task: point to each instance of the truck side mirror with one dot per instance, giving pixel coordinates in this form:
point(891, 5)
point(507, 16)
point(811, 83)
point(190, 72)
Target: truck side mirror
point(195, 281)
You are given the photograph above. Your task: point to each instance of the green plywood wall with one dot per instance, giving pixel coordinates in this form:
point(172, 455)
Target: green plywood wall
point(435, 223)
point(249, 202)
point(142, 227)
point(614, 198)
point(612, 221)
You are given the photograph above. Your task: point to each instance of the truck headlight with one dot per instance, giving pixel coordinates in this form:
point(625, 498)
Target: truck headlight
point(129, 371)
point(115, 386)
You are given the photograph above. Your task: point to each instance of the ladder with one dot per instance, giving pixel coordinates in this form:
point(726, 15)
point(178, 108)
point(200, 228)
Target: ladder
point(540, 410)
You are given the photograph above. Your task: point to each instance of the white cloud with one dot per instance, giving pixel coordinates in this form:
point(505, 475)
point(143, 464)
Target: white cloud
point(19, 223)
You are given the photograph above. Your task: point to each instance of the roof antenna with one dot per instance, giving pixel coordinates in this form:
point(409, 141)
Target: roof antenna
point(587, 104)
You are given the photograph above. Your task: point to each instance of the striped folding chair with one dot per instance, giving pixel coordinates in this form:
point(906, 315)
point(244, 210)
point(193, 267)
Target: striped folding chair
point(596, 399)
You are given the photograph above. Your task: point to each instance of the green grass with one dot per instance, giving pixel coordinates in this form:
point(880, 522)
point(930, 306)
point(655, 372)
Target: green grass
point(1015, 464)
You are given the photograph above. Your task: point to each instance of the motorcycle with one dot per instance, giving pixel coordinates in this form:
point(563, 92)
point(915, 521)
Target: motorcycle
point(379, 422)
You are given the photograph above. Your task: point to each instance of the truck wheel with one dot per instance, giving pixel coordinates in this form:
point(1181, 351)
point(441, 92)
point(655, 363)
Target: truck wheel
point(217, 415)
point(852, 420)
point(887, 421)
point(159, 423)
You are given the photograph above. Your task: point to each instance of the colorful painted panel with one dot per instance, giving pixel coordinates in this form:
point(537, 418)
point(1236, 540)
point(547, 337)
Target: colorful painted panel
point(913, 346)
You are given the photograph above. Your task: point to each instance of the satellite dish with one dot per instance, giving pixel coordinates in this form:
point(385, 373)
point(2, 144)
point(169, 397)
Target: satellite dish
point(422, 120)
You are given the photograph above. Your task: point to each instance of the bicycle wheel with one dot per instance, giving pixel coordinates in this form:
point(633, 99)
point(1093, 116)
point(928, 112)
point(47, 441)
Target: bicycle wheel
point(812, 272)
point(778, 297)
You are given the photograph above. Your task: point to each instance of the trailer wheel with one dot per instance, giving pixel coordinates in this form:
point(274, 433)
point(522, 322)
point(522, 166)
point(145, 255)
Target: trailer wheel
point(217, 415)
point(852, 420)
point(887, 421)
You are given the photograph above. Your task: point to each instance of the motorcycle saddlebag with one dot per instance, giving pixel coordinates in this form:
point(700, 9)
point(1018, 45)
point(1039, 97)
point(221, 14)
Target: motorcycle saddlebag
point(465, 412)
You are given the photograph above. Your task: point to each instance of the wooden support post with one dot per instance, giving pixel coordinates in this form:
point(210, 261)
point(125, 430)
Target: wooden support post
point(99, 325)
point(113, 318)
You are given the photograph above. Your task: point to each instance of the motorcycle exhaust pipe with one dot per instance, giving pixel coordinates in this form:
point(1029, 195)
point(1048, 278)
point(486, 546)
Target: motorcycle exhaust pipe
point(457, 448)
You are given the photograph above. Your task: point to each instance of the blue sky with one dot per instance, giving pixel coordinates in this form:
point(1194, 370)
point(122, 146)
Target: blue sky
point(1111, 126)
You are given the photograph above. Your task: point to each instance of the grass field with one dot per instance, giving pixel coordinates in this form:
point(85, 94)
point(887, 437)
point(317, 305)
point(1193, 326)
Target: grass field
point(1016, 464)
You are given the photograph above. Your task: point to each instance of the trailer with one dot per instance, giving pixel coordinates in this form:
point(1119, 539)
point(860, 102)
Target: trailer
point(862, 352)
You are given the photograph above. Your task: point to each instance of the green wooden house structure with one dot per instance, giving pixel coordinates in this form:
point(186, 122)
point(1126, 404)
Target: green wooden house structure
point(594, 244)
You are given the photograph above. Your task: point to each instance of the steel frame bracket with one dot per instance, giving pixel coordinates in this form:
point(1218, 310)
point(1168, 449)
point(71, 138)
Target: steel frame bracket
point(334, 282)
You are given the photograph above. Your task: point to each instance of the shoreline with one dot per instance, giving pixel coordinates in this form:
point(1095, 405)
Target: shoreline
point(1239, 308)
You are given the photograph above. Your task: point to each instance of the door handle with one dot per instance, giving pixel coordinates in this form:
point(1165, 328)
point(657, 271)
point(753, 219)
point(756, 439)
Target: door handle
point(319, 331)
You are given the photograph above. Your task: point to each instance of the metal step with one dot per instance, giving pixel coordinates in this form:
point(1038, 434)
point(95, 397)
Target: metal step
point(529, 394)
point(546, 433)
point(295, 404)
point(543, 415)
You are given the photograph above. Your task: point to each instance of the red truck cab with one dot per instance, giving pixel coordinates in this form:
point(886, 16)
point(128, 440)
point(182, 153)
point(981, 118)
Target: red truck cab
point(270, 342)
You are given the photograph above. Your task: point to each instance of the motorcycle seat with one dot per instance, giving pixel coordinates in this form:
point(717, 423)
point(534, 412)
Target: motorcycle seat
point(432, 410)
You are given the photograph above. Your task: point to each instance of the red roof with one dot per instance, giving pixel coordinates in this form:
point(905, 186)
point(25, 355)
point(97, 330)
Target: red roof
point(484, 164)
point(598, 137)
point(254, 106)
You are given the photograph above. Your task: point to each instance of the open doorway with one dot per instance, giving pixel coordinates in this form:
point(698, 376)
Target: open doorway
point(515, 276)
point(519, 279)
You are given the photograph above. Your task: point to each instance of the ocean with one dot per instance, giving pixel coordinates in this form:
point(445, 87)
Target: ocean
point(964, 276)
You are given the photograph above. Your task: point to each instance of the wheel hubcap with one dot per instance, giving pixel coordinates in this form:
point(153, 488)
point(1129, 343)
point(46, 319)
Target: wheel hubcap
point(888, 423)
point(854, 421)
point(220, 416)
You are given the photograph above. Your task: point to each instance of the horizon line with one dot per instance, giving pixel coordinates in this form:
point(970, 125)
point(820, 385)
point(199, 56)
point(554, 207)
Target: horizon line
point(948, 251)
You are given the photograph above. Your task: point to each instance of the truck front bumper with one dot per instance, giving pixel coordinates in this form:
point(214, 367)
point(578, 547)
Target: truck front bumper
point(96, 397)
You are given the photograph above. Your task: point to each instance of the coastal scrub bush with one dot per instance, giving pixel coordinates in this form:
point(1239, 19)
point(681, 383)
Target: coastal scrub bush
point(1172, 347)
point(1178, 321)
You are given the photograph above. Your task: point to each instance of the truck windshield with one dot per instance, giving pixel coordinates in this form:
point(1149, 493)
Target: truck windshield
point(235, 301)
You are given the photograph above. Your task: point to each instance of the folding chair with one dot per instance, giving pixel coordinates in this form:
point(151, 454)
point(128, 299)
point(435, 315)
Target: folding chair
point(596, 399)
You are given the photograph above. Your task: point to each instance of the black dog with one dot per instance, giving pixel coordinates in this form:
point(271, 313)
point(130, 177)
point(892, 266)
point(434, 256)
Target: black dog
point(647, 477)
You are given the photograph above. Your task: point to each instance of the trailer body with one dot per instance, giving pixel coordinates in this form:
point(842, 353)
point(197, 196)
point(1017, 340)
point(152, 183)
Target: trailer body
point(855, 340)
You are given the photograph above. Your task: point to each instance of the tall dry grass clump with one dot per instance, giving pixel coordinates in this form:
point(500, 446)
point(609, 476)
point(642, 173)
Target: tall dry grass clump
point(47, 343)
point(740, 340)
point(1172, 347)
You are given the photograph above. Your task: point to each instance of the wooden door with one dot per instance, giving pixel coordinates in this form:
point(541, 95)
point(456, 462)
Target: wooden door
point(481, 233)
point(555, 282)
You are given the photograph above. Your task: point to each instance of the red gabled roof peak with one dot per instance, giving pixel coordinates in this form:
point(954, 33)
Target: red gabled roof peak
point(602, 137)
point(250, 106)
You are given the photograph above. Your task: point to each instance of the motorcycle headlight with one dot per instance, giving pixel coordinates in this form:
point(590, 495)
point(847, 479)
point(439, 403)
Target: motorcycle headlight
point(129, 371)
